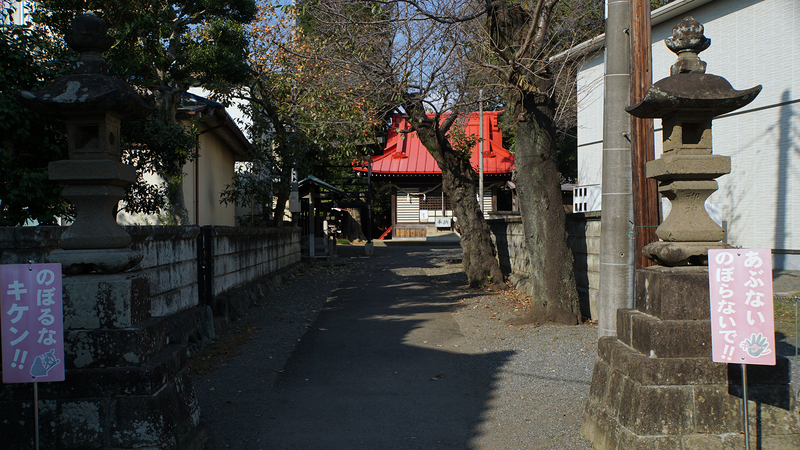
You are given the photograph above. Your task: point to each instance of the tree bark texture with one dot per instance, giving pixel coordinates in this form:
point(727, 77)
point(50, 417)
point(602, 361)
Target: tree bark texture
point(282, 196)
point(459, 183)
point(538, 183)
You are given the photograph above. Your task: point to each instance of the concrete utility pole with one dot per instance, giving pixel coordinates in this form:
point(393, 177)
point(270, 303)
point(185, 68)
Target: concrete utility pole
point(616, 245)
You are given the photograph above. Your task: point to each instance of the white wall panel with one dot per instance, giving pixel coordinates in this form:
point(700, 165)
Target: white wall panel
point(407, 206)
point(752, 42)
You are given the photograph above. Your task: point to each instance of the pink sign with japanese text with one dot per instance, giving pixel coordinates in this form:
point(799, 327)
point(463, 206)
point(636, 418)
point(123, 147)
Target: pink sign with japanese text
point(32, 323)
point(742, 327)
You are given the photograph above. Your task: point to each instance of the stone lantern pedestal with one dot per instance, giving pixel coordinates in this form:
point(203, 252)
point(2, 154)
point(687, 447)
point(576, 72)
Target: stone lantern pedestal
point(655, 384)
point(126, 385)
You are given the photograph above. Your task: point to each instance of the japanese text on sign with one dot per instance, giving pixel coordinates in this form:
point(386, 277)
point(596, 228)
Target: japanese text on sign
point(742, 328)
point(32, 323)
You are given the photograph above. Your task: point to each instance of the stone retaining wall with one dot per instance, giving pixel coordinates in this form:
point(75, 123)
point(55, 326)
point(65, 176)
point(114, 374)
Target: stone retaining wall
point(240, 256)
point(170, 265)
point(243, 255)
point(584, 239)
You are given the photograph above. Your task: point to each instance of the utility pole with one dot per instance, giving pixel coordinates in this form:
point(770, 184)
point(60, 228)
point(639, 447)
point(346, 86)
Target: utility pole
point(480, 149)
point(616, 246)
point(645, 191)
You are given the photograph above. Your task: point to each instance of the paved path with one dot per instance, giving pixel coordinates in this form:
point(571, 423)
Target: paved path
point(402, 357)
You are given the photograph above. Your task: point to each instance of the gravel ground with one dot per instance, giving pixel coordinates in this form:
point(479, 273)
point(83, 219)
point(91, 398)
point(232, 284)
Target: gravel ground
point(537, 396)
point(540, 392)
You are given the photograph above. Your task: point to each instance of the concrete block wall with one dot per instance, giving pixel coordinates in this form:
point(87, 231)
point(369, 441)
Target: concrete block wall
point(508, 240)
point(243, 255)
point(170, 265)
point(584, 239)
point(23, 245)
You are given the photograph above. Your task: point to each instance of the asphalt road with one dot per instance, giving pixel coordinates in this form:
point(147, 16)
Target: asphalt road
point(399, 356)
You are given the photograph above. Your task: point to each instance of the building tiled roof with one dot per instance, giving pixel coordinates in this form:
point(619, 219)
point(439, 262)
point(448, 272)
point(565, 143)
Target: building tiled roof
point(405, 154)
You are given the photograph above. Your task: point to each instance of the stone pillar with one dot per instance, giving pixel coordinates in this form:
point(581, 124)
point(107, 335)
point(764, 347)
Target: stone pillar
point(655, 384)
point(126, 385)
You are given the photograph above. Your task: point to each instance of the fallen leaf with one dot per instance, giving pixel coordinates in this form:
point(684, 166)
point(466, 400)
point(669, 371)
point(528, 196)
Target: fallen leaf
point(438, 345)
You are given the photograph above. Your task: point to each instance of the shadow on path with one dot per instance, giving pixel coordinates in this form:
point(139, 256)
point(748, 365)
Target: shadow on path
point(383, 366)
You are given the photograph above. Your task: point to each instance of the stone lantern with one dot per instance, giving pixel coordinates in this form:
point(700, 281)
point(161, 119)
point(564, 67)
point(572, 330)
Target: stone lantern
point(686, 101)
point(655, 384)
point(92, 104)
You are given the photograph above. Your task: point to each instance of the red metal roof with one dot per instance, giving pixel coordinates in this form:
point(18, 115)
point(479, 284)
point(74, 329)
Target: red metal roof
point(405, 154)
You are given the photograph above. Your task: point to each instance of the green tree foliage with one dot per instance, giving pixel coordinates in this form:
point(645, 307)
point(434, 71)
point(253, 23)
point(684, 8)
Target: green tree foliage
point(28, 141)
point(304, 108)
point(163, 48)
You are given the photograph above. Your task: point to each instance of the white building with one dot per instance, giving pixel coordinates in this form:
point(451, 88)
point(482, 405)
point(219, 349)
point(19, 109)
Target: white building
point(752, 42)
point(16, 12)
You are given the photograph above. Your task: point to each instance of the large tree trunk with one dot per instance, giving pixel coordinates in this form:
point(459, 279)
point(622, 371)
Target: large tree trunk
point(459, 183)
point(280, 206)
point(538, 182)
point(480, 257)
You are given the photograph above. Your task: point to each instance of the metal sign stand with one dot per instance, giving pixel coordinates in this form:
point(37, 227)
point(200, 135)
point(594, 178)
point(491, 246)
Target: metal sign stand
point(744, 408)
point(36, 413)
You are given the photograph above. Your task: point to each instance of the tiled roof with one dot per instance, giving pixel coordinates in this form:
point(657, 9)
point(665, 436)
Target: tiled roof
point(405, 154)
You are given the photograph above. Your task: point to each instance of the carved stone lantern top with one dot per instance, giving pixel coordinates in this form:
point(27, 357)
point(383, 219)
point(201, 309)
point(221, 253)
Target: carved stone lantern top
point(88, 90)
point(688, 88)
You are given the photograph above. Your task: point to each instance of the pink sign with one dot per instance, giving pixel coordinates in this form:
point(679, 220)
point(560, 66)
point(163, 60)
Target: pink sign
point(742, 327)
point(32, 323)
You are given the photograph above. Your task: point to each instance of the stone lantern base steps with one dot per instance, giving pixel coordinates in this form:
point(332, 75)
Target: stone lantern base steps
point(656, 386)
point(127, 386)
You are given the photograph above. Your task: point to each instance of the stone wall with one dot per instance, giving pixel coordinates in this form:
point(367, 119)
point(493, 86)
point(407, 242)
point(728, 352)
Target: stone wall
point(507, 238)
point(126, 335)
point(584, 239)
point(170, 265)
point(243, 255)
point(240, 255)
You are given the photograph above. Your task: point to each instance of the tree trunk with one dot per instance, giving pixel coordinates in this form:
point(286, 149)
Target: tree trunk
point(459, 183)
point(351, 226)
point(538, 183)
point(280, 206)
point(176, 198)
point(480, 257)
